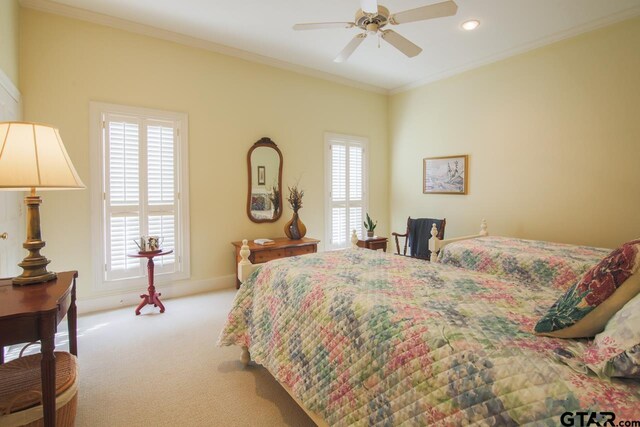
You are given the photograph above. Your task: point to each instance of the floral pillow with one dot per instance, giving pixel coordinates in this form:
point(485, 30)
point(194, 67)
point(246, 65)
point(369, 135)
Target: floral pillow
point(616, 351)
point(590, 292)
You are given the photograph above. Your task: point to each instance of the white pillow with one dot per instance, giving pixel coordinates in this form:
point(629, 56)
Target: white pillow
point(615, 352)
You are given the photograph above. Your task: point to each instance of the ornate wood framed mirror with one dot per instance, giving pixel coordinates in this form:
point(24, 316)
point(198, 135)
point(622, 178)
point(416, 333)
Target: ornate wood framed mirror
point(264, 199)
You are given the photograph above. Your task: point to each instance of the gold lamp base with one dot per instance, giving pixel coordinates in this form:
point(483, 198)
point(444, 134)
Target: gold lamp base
point(20, 280)
point(34, 266)
point(34, 271)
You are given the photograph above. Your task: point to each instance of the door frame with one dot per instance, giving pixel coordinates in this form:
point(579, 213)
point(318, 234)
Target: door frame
point(12, 215)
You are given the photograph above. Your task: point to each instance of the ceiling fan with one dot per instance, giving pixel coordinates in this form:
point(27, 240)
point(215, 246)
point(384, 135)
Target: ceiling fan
point(372, 18)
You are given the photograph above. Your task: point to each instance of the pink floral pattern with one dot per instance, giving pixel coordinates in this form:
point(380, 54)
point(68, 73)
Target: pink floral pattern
point(615, 352)
point(601, 281)
point(532, 263)
point(367, 338)
point(597, 284)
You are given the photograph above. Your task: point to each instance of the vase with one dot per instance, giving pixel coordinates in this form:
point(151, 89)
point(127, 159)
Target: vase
point(370, 234)
point(294, 228)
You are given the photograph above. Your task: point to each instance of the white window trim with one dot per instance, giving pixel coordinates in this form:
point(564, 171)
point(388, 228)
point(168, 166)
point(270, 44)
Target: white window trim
point(96, 153)
point(364, 142)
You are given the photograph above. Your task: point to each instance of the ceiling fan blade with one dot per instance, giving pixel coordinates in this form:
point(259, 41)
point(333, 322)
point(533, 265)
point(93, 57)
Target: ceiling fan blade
point(438, 10)
point(369, 6)
point(323, 25)
point(350, 48)
point(400, 43)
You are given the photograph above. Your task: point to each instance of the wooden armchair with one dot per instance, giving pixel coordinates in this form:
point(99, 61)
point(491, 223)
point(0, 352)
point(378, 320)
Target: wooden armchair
point(426, 234)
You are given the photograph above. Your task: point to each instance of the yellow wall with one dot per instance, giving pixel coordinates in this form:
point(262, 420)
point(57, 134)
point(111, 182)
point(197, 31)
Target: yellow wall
point(9, 14)
point(231, 104)
point(553, 137)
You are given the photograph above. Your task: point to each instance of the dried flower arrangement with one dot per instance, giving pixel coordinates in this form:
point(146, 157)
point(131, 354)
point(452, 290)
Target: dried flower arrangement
point(274, 196)
point(295, 198)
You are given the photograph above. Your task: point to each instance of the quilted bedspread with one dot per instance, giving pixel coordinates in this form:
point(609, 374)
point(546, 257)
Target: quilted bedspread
point(366, 338)
point(525, 261)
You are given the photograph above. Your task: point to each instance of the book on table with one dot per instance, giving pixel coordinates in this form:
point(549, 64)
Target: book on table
point(264, 242)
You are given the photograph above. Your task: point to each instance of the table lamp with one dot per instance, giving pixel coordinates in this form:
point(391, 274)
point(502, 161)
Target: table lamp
point(32, 156)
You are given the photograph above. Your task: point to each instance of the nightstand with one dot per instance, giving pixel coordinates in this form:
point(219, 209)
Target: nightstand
point(32, 313)
point(374, 243)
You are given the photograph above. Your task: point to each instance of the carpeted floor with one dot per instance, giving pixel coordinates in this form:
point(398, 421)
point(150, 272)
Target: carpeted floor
point(166, 370)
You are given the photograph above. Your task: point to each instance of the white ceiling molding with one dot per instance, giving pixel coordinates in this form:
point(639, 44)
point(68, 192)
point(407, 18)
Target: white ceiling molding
point(8, 85)
point(146, 30)
point(544, 41)
point(349, 78)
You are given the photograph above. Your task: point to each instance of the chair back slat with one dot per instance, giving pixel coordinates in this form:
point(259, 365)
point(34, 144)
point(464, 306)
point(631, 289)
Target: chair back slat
point(417, 236)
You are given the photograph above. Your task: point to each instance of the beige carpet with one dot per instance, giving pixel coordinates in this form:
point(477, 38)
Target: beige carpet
point(165, 370)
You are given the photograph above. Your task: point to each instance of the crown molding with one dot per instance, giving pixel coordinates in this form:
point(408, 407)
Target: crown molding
point(8, 85)
point(146, 30)
point(52, 7)
point(544, 41)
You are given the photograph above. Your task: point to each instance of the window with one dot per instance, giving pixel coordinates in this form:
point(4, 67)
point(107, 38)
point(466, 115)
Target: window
point(346, 188)
point(141, 185)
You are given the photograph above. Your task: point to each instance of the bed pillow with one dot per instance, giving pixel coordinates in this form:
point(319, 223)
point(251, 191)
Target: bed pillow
point(616, 351)
point(587, 306)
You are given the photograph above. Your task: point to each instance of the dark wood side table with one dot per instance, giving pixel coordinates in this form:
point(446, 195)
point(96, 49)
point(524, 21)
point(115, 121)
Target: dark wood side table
point(282, 247)
point(31, 313)
point(374, 243)
point(152, 297)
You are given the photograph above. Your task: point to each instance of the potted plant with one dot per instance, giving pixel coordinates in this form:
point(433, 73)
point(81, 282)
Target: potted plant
point(370, 226)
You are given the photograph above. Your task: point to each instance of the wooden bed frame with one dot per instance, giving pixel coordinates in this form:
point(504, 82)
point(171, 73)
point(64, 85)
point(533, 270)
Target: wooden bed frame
point(245, 268)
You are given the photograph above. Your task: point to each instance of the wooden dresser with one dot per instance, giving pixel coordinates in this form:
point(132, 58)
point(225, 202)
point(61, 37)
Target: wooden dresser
point(282, 248)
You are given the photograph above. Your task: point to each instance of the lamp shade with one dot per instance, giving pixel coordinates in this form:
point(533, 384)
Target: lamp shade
point(33, 156)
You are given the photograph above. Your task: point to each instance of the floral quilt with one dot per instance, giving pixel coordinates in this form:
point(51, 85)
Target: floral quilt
point(366, 338)
point(526, 261)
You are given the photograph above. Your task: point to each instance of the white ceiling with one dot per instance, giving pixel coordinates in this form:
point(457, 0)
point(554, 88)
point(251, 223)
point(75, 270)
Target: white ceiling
point(264, 27)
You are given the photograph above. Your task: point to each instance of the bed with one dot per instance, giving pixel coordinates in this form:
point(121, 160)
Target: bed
point(360, 337)
point(261, 206)
point(525, 261)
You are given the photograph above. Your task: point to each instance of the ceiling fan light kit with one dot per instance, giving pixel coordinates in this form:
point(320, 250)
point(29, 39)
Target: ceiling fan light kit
point(470, 25)
point(372, 18)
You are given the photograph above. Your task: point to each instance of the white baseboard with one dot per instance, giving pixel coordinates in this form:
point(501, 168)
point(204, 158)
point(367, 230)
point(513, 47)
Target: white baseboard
point(168, 290)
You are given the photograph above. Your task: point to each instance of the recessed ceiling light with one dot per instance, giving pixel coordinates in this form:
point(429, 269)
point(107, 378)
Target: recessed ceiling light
point(470, 25)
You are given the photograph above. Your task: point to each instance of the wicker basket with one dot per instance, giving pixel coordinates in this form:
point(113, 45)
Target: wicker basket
point(21, 391)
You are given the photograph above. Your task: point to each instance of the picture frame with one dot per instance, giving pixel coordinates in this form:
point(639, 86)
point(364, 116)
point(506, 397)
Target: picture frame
point(445, 175)
point(261, 175)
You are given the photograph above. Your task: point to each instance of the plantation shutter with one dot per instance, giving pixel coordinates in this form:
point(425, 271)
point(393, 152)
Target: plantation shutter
point(161, 172)
point(139, 192)
point(347, 192)
point(122, 195)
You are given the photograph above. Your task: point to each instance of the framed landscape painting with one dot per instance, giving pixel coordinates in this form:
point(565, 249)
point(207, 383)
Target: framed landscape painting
point(446, 175)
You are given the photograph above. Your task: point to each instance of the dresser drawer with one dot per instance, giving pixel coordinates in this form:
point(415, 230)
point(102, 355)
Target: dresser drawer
point(299, 250)
point(281, 248)
point(264, 256)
